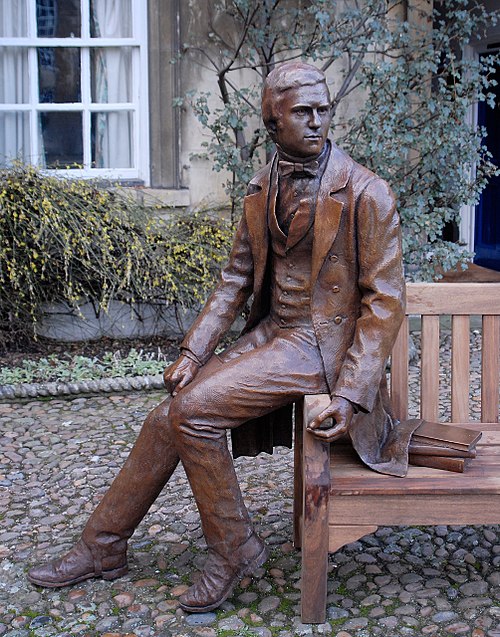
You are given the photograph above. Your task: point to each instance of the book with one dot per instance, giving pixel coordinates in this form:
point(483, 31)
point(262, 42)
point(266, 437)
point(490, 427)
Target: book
point(422, 449)
point(456, 465)
point(439, 435)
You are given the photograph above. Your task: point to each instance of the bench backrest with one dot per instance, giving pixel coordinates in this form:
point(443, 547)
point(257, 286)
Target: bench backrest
point(460, 301)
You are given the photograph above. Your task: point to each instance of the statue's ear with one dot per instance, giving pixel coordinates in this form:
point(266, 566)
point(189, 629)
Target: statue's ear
point(253, 189)
point(272, 128)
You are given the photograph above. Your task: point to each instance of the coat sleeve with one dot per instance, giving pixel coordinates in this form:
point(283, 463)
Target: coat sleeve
point(382, 289)
point(226, 301)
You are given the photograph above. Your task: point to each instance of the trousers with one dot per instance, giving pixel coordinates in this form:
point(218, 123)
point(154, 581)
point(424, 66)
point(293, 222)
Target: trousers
point(267, 368)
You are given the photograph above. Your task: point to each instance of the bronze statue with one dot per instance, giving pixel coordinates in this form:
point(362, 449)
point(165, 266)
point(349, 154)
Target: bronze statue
point(319, 248)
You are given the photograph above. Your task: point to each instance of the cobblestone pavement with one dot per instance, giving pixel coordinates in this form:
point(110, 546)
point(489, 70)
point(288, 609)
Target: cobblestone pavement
point(58, 455)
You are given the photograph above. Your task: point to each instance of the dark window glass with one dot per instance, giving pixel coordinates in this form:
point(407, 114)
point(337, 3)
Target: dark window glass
point(61, 144)
point(58, 18)
point(59, 75)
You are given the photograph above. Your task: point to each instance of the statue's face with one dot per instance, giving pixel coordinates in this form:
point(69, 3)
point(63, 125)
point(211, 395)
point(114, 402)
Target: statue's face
point(303, 120)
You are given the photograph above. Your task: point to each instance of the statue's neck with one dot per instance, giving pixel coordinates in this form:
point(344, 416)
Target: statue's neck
point(303, 160)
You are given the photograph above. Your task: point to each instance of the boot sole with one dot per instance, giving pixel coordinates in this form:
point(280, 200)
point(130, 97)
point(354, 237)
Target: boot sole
point(246, 570)
point(106, 575)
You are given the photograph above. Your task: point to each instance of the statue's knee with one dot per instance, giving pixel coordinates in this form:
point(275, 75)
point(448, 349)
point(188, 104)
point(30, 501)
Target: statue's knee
point(158, 420)
point(176, 413)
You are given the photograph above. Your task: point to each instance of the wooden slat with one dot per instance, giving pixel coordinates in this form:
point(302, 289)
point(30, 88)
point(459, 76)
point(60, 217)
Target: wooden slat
point(426, 482)
point(298, 471)
point(340, 535)
point(417, 509)
point(316, 464)
point(460, 356)
point(429, 384)
point(453, 298)
point(490, 380)
point(399, 372)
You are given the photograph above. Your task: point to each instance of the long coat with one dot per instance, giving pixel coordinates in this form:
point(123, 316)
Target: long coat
point(357, 302)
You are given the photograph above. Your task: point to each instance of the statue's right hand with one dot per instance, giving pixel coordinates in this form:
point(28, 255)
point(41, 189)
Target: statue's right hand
point(180, 374)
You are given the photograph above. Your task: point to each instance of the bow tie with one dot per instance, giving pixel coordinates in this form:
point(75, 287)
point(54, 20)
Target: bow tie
point(309, 168)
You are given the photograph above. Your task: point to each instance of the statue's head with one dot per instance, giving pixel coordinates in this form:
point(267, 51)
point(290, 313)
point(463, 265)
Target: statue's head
point(296, 108)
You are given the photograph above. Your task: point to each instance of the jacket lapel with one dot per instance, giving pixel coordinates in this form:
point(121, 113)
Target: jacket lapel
point(328, 208)
point(257, 206)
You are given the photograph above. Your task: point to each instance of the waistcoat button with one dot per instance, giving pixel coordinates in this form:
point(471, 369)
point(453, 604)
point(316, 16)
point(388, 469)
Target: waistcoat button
point(334, 258)
point(336, 288)
point(337, 320)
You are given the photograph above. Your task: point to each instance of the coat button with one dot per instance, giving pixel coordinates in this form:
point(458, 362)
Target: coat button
point(336, 288)
point(337, 320)
point(334, 258)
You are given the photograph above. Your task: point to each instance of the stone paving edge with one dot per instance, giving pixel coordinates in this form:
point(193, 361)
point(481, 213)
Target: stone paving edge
point(100, 386)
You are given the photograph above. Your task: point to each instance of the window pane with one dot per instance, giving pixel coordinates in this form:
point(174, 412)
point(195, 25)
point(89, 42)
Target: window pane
point(61, 144)
point(112, 140)
point(13, 21)
point(14, 137)
point(59, 74)
point(13, 75)
point(58, 18)
point(110, 19)
point(111, 75)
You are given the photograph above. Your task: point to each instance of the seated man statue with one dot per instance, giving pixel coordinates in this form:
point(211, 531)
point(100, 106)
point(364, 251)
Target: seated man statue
point(319, 248)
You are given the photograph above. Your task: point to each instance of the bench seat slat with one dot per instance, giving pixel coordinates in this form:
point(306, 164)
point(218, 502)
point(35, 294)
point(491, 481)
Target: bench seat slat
point(482, 475)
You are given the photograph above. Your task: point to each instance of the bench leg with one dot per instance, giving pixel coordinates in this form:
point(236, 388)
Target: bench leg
point(298, 495)
point(316, 483)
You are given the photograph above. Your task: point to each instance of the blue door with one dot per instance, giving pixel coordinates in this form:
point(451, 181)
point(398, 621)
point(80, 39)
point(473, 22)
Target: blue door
point(487, 233)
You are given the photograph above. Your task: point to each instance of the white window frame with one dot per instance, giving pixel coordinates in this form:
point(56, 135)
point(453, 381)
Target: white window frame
point(138, 106)
point(467, 227)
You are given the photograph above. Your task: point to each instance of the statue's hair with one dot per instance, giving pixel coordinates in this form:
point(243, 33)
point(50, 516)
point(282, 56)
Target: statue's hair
point(282, 78)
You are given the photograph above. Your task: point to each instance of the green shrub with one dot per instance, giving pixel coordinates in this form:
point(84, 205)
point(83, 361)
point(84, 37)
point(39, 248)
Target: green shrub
point(75, 241)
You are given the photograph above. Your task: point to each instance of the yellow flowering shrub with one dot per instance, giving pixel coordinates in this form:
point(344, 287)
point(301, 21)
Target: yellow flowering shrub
point(75, 241)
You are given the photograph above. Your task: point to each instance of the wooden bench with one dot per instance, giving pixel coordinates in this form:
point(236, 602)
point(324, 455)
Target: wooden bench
point(338, 500)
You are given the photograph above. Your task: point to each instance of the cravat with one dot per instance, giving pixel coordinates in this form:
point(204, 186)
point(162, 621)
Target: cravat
point(309, 168)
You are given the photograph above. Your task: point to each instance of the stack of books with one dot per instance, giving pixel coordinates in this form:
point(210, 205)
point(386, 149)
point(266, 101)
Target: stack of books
point(443, 446)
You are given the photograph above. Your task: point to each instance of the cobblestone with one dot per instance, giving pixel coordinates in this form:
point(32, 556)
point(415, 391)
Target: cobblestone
point(57, 457)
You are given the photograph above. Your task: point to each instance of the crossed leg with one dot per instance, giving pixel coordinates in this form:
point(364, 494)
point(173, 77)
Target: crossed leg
point(266, 369)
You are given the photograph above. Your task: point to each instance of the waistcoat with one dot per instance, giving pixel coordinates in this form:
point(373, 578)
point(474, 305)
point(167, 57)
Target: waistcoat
point(291, 267)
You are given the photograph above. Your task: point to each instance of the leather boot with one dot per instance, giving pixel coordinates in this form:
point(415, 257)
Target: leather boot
point(233, 548)
point(102, 549)
point(80, 563)
point(220, 575)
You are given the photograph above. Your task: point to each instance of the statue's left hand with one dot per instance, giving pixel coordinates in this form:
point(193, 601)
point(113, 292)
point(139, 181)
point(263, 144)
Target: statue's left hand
point(180, 374)
point(341, 411)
